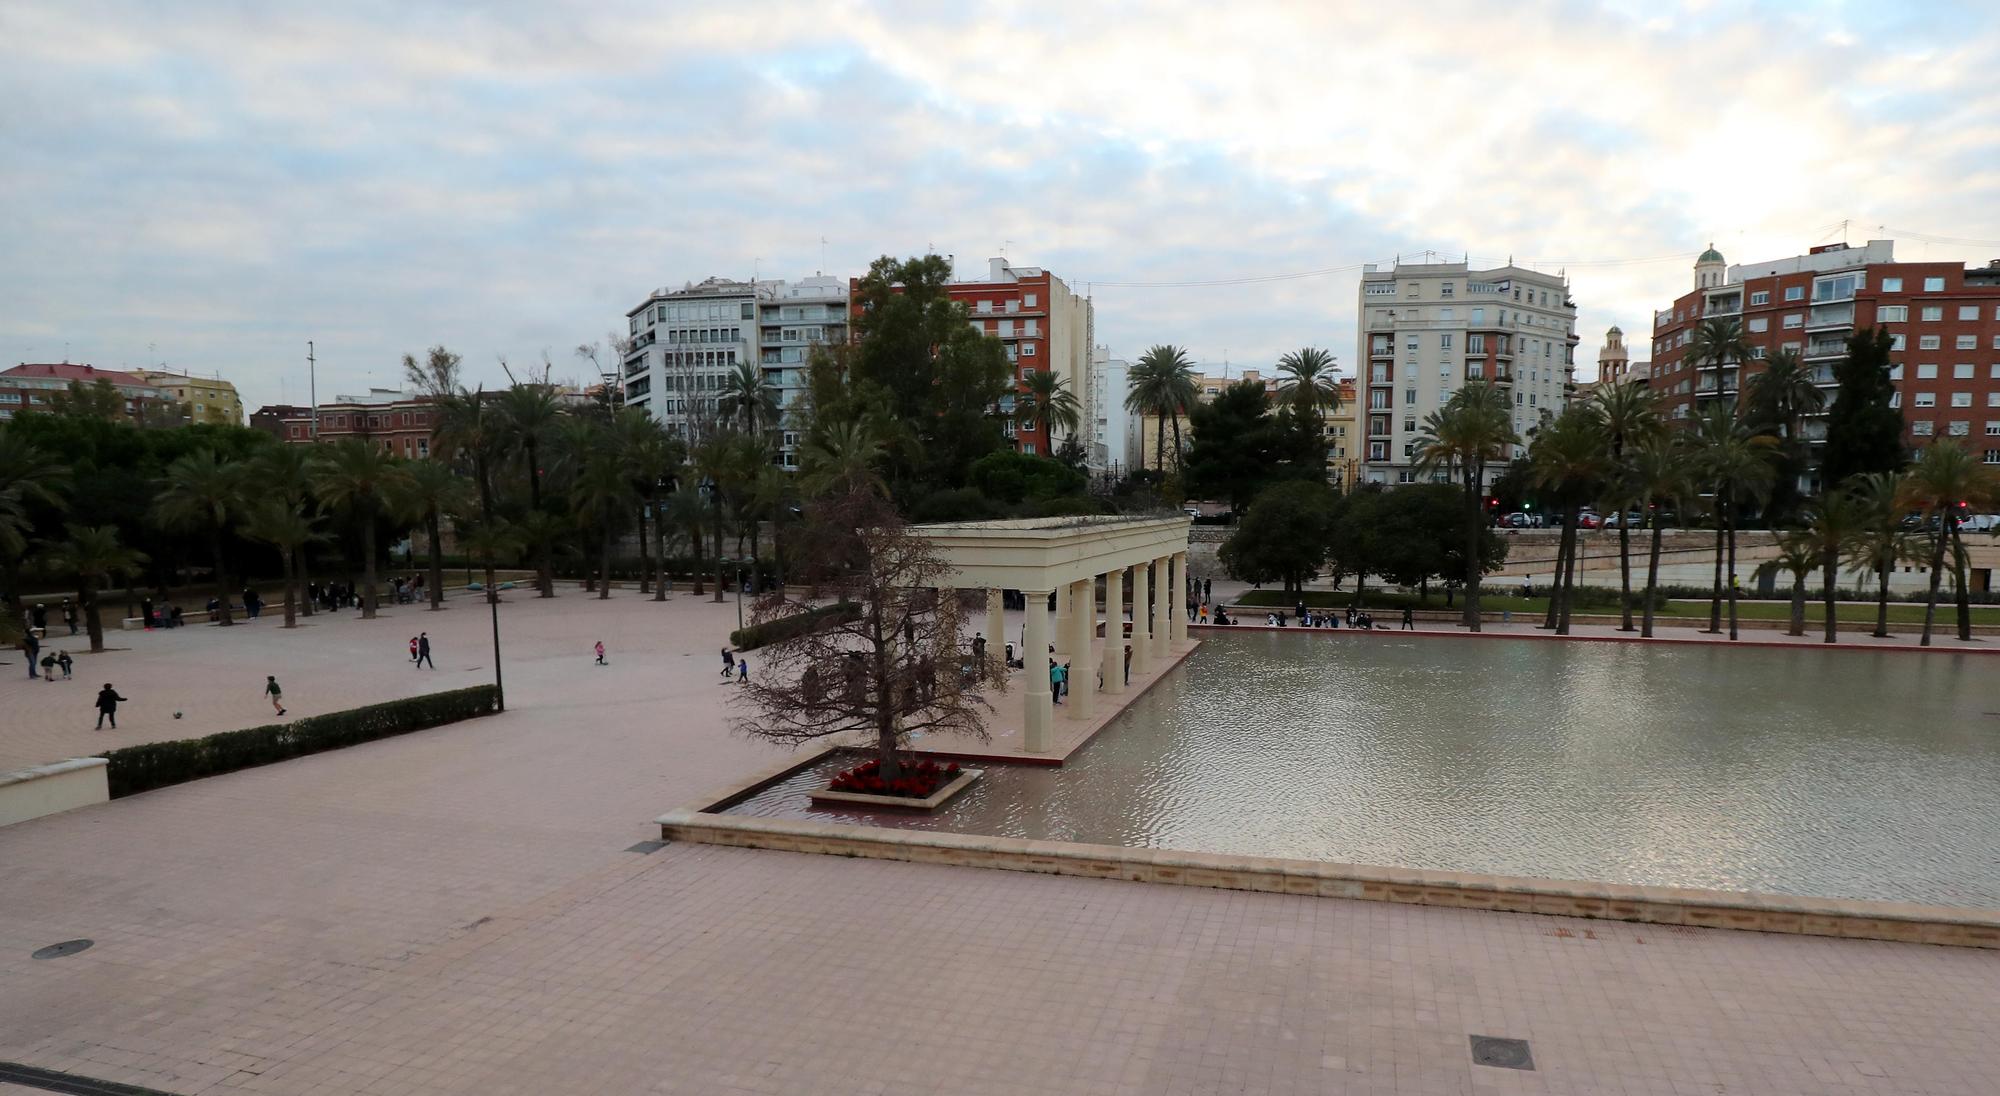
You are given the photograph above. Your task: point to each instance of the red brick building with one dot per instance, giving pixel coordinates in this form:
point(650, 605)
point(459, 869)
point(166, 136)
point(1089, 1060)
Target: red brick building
point(1944, 319)
point(399, 421)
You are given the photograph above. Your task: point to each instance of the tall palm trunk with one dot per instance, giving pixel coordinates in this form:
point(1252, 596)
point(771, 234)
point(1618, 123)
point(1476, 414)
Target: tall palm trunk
point(718, 547)
point(645, 551)
point(1830, 565)
point(1652, 580)
point(1177, 442)
point(221, 578)
point(1159, 443)
point(1566, 577)
point(545, 563)
point(604, 567)
point(1715, 595)
point(368, 567)
point(1474, 515)
point(299, 563)
point(1882, 600)
point(1937, 573)
point(93, 623)
point(1555, 581)
point(1729, 521)
point(1798, 622)
point(1624, 574)
point(1958, 582)
point(291, 589)
point(436, 575)
point(660, 546)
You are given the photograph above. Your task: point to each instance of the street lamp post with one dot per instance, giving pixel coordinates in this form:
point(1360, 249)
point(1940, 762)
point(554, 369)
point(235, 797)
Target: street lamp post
point(493, 604)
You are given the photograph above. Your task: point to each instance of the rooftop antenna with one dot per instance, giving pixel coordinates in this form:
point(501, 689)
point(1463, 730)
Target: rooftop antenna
point(312, 380)
point(822, 257)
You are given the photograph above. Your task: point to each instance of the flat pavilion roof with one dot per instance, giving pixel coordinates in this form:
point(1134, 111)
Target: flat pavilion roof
point(1039, 554)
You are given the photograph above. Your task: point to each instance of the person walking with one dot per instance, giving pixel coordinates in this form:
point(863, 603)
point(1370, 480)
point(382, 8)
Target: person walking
point(107, 706)
point(413, 648)
point(33, 646)
point(600, 653)
point(69, 615)
point(48, 667)
point(1409, 620)
point(277, 694)
point(424, 650)
point(63, 660)
point(742, 671)
point(728, 662)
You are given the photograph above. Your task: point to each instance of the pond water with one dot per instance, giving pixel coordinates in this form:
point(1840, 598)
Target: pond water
point(1834, 774)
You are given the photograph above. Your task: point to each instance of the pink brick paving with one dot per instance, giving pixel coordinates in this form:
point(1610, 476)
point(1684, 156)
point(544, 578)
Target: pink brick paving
point(452, 912)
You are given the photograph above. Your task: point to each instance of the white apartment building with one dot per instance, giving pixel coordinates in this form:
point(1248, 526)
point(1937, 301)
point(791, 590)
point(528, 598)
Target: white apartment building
point(686, 341)
point(1114, 430)
point(1426, 329)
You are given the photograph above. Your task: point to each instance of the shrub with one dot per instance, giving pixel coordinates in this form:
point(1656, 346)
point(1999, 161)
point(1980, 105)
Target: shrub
point(137, 769)
point(771, 631)
point(919, 781)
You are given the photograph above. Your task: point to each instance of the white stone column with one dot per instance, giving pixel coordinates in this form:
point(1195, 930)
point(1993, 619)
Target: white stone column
point(1082, 700)
point(950, 645)
point(1181, 602)
point(1062, 619)
point(1163, 607)
point(996, 634)
point(1114, 631)
point(1142, 621)
point(1038, 709)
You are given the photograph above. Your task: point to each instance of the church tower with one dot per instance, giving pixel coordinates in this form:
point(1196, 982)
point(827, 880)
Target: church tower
point(1710, 270)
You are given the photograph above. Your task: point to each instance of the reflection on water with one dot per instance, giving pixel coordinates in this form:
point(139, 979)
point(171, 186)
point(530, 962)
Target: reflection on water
point(1836, 774)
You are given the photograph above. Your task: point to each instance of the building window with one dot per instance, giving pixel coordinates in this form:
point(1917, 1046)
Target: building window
point(1968, 342)
point(1933, 313)
point(1795, 293)
point(1896, 341)
point(1922, 428)
point(1969, 312)
point(1992, 430)
point(1895, 371)
point(1409, 395)
point(1961, 399)
point(1892, 285)
point(1926, 399)
point(1796, 319)
point(1962, 371)
point(985, 308)
point(1993, 456)
point(1959, 428)
point(1444, 290)
point(1028, 350)
point(1933, 285)
point(1762, 296)
point(1929, 342)
point(1760, 323)
point(1892, 313)
point(1478, 316)
point(1028, 299)
point(1927, 371)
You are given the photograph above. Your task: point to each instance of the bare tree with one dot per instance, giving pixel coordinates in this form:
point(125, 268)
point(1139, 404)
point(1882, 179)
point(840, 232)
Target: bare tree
point(891, 667)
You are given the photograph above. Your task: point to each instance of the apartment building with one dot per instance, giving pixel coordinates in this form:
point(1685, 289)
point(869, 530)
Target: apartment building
point(1114, 439)
point(1044, 327)
point(1343, 438)
point(685, 343)
point(32, 386)
point(1426, 329)
point(205, 399)
point(1943, 320)
point(398, 421)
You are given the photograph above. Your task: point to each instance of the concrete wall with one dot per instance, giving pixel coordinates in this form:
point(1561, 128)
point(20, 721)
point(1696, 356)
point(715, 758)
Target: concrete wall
point(49, 789)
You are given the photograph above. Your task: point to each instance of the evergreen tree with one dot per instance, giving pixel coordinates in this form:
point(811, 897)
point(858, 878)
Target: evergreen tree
point(1863, 433)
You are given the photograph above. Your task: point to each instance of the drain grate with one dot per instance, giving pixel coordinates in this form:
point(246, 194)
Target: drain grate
point(645, 847)
point(1492, 1050)
point(67, 947)
point(51, 1080)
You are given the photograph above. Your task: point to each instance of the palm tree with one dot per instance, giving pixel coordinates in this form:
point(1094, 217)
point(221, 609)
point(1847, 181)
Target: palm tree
point(94, 556)
point(284, 472)
point(652, 455)
point(203, 493)
point(1046, 403)
point(1631, 418)
point(716, 463)
point(489, 542)
point(1836, 521)
point(429, 492)
point(687, 514)
point(602, 494)
point(1570, 459)
point(1162, 384)
point(1734, 461)
point(1659, 473)
point(357, 478)
point(1474, 428)
point(469, 431)
point(840, 459)
point(1879, 543)
point(1798, 554)
point(747, 395)
point(530, 412)
point(27, 476)
point(1310, 384)
point(1783, 393)
point(288, 528)
point(1717, 342)
point(1943, 478)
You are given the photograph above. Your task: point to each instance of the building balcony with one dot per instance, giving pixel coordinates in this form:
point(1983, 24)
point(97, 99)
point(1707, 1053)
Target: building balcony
point(1836, 349)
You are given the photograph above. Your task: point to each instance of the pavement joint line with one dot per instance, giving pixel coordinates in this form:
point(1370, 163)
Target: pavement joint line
point(53, 1080)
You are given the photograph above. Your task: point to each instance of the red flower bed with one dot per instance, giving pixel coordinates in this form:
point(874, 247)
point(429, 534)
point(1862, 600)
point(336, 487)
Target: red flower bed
point(918, 781)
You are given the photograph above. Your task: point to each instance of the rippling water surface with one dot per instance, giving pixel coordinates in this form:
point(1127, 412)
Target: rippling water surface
point(1836, 774)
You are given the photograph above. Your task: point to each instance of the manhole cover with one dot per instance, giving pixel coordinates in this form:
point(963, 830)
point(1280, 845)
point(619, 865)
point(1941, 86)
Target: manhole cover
point(1491, 1050)
point(67, 947)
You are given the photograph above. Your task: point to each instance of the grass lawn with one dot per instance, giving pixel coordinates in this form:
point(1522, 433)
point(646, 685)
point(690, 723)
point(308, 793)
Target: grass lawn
point(1900, 612)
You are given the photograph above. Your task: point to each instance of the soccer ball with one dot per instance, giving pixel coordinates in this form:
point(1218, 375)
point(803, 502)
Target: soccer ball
point(177, 715)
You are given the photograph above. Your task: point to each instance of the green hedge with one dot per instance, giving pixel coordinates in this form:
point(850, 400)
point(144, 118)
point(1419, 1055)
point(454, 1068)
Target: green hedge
point(157, 764)
point(757, 635)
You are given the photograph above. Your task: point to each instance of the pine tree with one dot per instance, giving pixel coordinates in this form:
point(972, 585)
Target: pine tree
point(1864, 433)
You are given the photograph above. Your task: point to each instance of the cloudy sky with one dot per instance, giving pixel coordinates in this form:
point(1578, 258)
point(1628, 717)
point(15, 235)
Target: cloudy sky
point(211, 185)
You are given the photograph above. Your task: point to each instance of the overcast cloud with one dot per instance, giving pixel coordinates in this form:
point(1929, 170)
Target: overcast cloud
point(210, 186)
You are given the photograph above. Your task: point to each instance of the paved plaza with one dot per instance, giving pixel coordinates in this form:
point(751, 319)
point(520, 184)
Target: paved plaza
point(457, 911)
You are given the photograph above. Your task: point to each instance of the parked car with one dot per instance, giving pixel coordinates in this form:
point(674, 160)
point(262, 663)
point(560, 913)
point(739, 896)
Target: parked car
point(1981, 523)
point(1588, 520)
point(1520, 520)
point(1631, 519)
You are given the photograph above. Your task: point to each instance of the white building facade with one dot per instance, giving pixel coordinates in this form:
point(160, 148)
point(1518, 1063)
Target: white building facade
point(1114, 432)
point(1427, 329)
